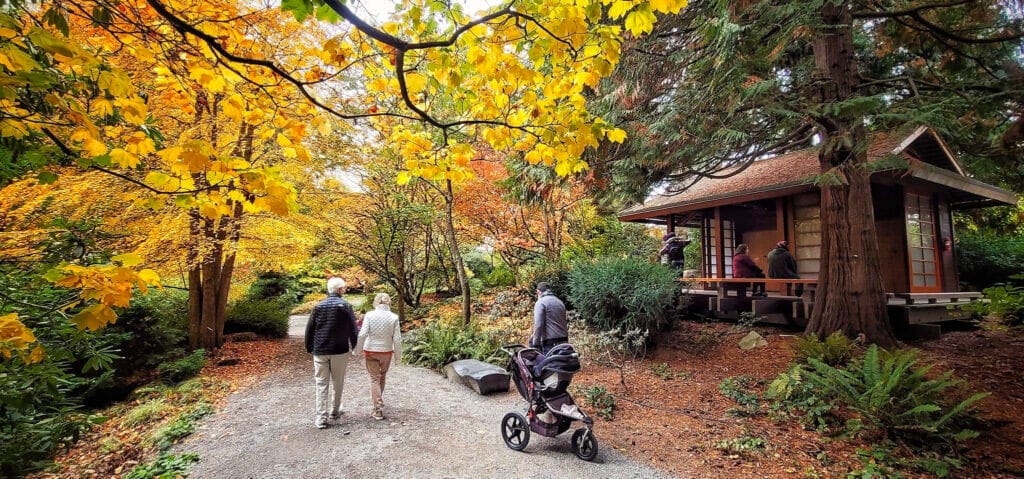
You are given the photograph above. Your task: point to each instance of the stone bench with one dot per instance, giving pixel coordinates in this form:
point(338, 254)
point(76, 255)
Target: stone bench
point(484, 378)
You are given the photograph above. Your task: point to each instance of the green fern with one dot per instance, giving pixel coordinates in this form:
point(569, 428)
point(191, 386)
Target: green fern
point(891, 393)
point(835, 350)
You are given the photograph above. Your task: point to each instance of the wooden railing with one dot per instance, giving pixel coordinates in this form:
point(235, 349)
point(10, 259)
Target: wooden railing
point(740, 283)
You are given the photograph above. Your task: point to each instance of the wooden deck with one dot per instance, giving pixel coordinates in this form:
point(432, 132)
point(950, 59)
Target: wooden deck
point(728, 297)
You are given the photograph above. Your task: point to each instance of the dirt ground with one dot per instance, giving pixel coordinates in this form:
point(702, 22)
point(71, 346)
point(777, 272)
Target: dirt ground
point(674, 423)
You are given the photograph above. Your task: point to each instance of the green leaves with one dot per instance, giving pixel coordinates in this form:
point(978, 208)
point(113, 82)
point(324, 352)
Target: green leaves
point(327, 14)
point(300, 8)
point(56, 18)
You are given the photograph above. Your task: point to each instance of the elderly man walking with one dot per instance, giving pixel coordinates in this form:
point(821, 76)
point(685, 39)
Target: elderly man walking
point(331, 334)
point(549, 325)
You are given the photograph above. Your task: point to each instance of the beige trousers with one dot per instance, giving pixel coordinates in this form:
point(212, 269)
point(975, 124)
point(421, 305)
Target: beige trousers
point(377, 365)
point(329, 370)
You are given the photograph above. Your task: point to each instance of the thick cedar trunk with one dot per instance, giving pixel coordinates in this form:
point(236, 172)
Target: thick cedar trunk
point(850, 297)
point(453, 245)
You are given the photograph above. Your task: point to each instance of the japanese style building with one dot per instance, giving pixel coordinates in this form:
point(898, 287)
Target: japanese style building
point(917, 185)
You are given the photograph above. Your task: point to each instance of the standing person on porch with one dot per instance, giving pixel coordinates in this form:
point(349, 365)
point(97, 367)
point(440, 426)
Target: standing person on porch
point(549, 325)
point(743, 266)
point(330, 336)
point(782, 265)
point(380, 340)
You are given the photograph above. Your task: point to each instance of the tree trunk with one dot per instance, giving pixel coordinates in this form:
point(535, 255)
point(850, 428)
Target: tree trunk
point(195, 279)
point(453, 245)
point(401, 286)
point(223, 290)
point(850, 297)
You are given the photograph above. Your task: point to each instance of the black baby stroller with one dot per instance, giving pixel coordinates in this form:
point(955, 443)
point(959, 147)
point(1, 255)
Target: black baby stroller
point(542, 381)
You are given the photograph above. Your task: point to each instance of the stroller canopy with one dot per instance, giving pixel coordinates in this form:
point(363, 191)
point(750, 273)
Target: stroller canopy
point(561, 359)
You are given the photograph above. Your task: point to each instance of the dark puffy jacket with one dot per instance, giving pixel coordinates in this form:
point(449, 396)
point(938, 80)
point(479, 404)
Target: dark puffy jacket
point(743, 266)
point(331, 328)
point(781, 264)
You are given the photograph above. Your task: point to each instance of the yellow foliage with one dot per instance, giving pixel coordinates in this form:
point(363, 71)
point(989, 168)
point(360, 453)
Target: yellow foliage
point(16, 338)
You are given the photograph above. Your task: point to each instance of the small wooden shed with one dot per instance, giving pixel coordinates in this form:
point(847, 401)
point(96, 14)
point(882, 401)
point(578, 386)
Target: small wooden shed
point(917, 185)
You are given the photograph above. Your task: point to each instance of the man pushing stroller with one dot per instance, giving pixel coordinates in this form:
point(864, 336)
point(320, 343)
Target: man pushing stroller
point(549, 326)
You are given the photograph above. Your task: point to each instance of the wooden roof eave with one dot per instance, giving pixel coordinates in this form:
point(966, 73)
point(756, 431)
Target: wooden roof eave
point(770, 191)
point(949, 179)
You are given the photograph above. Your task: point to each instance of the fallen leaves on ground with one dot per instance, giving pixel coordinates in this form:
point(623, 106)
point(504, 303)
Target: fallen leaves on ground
point(675, 423)
point(116, 446)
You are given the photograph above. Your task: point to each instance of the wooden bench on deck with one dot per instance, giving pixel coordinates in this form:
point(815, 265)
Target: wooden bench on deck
point(784, 309)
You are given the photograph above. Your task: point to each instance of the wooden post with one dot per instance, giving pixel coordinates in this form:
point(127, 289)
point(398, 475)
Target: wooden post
point(671, 223)
point(780, 227)
point(719, 246)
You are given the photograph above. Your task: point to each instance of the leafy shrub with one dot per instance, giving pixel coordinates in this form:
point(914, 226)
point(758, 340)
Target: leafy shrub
point(1005, 303)
point(600, 236)
point(738, 388)
point(184, 368)
point(38, 415)
point(268, 317)
point(601, 400)
point(747, 320)
point(512, 303)
point(613, 349)
point(153, 328)
point(476, 285)
point(623, 294)
point(554, 273)
point(742, 445)
point(835, 350)
point(791, 392)
point(288, 289)
point(885, 461)
point(157, 324)
point(500, 277)
point(478, 262)
point(986, 259)
point(891, 393)
point(164, 466)
point(662, 370)
point(438, 344)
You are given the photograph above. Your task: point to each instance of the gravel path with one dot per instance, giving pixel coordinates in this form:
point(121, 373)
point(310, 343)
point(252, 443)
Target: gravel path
point(435, 429)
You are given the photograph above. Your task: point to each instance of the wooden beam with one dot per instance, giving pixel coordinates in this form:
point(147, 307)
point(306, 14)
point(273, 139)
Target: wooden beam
point(641, 213)
point(926, 172)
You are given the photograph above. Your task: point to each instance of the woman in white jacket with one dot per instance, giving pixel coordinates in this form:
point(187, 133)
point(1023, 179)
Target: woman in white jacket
point(380, 340)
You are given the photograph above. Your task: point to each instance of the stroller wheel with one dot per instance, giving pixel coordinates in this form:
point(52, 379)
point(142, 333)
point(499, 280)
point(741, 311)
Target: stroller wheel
point(584, 444)
point(515, 431)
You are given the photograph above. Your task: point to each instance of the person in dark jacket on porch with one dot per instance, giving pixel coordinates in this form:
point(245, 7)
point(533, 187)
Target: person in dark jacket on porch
point(549, 325)
point(782, 265)
point(331, 333)
point(743, 266)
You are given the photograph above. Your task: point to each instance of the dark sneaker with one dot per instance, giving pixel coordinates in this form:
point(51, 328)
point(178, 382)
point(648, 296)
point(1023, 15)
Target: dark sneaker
point(337, 415)
point(321, 424)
